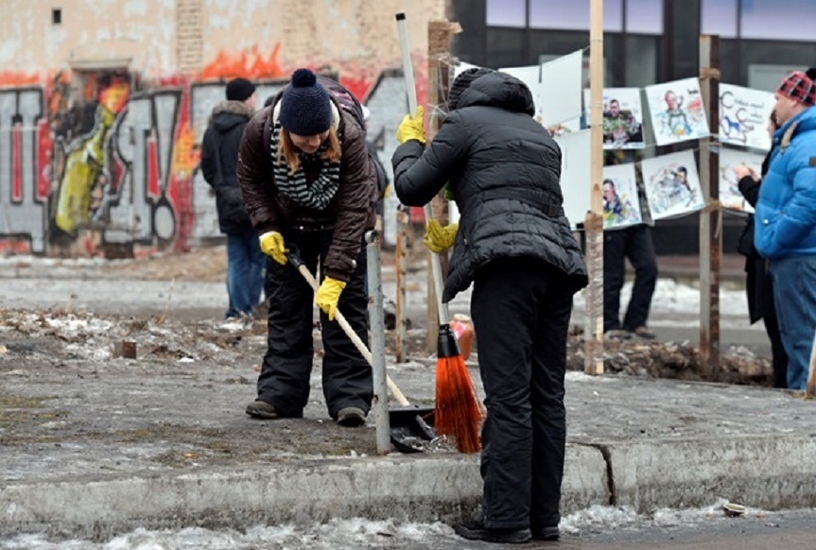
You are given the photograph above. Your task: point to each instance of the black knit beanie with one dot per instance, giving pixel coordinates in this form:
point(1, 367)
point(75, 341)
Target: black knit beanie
point(462, 82)
point(239, 89)
point(305, 105)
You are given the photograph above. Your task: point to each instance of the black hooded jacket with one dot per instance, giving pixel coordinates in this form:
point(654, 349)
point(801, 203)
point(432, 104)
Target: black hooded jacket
point(219, 158)
point(504, 169)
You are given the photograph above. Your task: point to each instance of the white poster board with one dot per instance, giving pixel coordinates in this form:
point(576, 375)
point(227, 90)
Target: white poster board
point(672, 185)
point(621, 207)
point(730, 195)
point(622, 118)
point(561, 89)
point(576, 175)
point(744, 115)
point(676, 111)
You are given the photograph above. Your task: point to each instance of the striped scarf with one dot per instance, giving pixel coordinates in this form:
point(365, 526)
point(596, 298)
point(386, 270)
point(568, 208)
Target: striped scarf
point(320, 192)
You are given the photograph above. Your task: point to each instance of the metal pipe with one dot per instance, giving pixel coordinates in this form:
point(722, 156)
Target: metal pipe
point(377, 334)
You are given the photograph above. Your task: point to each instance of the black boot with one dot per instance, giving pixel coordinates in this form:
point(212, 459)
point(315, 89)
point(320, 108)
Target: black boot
point(475, 530)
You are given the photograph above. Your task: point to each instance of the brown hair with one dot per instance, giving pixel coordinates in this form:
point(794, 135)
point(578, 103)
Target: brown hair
point(287, 152)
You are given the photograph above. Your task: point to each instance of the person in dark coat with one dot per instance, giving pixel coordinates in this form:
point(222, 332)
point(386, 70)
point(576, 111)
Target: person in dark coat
point(758, 282)
point(219, 156)
point(310, 188)
point(514, 244)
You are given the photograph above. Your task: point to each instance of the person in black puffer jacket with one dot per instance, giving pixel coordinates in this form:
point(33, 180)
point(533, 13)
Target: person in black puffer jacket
point(514, 244)
point(219, 157)
point(758, 283)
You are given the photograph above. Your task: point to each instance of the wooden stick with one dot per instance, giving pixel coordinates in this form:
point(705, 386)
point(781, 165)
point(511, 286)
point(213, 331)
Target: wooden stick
point(356, 340)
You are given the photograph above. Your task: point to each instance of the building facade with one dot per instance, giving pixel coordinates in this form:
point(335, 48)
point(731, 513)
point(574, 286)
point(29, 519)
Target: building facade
point(647, 42)
point(103, 105)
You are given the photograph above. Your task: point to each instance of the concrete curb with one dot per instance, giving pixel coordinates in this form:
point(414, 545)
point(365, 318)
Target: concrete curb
point(417, 488)
point(767, 472)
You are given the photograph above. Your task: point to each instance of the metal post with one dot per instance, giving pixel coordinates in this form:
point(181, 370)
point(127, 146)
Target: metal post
point(711, 216)
point(377, 320)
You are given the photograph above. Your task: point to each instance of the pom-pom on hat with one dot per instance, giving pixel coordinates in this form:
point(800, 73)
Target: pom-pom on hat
point(800, 86)
point(305, 105)
point(239, 89)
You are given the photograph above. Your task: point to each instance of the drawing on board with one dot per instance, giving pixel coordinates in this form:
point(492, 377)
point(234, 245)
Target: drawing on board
point(677, 112)
point(672, 185)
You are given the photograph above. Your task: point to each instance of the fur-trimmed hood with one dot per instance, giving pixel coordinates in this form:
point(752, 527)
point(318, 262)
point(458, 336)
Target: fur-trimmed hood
point(227, 114)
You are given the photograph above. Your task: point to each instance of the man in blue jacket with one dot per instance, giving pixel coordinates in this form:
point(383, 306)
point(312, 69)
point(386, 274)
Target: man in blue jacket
point(785, 220)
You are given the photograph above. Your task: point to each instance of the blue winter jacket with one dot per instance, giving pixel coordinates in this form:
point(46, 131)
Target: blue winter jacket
point(785, 219)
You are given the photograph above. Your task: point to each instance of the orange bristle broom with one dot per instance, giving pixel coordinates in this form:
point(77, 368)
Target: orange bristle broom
point(458, 412)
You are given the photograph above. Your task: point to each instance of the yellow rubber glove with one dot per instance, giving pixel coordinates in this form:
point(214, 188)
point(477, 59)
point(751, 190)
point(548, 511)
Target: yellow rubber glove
point(272, 245)
point(412, 128)
point(437, 238)
point(328, 295)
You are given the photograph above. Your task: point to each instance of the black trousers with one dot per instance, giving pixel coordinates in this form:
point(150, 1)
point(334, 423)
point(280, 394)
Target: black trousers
point(521, 311)
point(634, 243)
point(287, 365)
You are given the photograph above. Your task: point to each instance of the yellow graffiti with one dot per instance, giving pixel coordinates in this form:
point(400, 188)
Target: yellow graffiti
point(83, 174)
point(186, 155)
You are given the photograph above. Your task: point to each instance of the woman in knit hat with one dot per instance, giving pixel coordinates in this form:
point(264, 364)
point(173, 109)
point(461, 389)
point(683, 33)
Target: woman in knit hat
point(309, 187)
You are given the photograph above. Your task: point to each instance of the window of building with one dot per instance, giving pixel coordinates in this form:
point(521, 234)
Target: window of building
point(557, 14)
point(56, 16)
point(719, 17)
point(644, 16)
point(506, 13)
point(778, 19)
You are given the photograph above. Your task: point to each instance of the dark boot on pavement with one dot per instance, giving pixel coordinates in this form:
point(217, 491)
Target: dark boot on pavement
point(545, 533)
point(351, 417)
point(644, 332)
point(262, 409)
point(475, 530)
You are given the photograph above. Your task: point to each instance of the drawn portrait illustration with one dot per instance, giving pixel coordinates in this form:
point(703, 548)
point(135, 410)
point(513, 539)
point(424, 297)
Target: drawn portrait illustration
point(622, 118)
point(677, 111)
point(730, 195)
point(621, 207)
point(744, 116)
point(672, 185)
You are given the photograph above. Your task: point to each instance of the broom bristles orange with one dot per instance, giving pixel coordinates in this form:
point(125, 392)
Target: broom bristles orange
point(458, 412)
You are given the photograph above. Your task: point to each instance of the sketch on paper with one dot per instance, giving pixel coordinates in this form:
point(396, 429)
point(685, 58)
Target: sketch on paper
point(730, 195)
point(622, 118)
point(677, 112)
point(744, 115)
point(621, 207)
point(672, 185)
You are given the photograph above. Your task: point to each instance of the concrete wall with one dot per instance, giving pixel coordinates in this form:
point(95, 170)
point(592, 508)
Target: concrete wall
point(101, 113)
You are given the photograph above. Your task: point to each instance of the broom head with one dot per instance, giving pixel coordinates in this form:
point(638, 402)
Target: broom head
point(459, 413)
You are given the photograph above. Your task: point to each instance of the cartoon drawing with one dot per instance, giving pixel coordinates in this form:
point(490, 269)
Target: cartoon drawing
point(621, 206)
point(743, 115)
point(730, 195)
point(672, 185)
point(677, 111)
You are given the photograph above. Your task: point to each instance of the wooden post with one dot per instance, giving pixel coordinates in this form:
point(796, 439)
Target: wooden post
point(440, 34)
point(401, 254)
point(711, 216)
point(593, 223)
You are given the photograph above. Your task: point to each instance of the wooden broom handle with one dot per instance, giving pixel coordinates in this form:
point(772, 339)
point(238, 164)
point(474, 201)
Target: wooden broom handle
point(355, 339)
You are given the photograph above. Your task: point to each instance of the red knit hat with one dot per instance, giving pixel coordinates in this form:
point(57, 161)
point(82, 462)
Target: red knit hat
point(800, 86)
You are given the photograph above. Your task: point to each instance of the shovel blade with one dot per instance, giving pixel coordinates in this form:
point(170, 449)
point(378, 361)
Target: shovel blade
point(410, 427)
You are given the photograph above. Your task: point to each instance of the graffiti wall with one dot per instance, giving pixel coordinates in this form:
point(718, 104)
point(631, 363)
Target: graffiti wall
point(99, 160)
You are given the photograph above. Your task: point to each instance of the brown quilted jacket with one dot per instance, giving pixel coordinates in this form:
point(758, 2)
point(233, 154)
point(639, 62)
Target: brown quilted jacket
point(349, 214)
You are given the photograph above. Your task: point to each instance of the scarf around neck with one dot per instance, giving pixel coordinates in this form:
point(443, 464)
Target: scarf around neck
point(316, 195)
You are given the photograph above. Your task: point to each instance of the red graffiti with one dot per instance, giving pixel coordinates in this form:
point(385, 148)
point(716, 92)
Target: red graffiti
point(17, 163)
point(153, 177)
